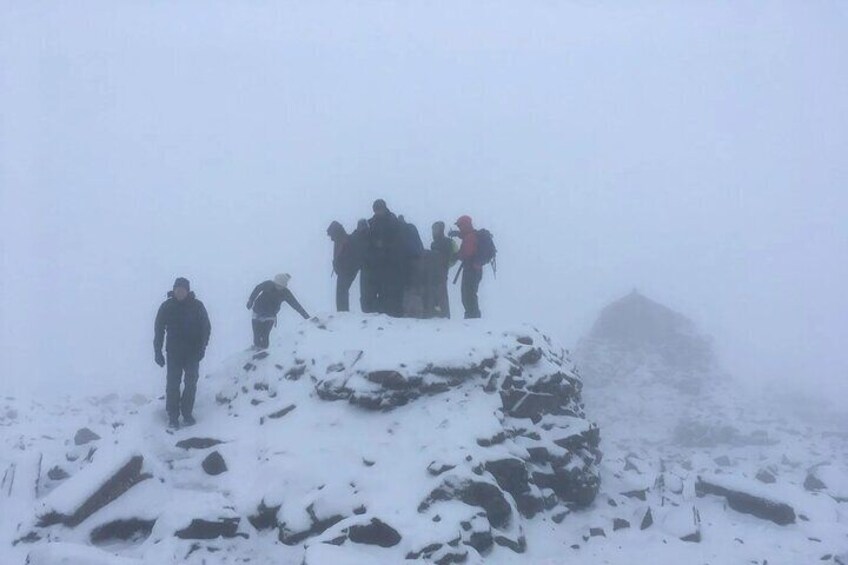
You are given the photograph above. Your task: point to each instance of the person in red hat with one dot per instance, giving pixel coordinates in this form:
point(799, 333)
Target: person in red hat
point(472, 269)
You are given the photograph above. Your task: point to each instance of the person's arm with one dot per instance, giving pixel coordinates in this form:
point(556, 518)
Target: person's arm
point(292, 301)
point(206, 326)
point(254, 294)
point(468, 249)
point(159, 329)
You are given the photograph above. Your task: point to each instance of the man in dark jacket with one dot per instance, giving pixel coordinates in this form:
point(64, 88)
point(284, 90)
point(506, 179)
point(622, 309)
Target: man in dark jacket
point(185, 321)
point(265, 301)
point(347, 260)
point(384, 259)
point(413, 273)
point(361, 237)
point(444, 257)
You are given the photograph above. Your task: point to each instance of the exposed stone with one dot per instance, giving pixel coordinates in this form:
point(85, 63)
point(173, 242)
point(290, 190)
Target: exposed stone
point(198, 443)
point(376, 532)
point(620, 524)
point(214, 464)
point(765, 476)
point(265, 517)
point(124, 530)
point(208, 529)
point(56, 473)
point(778, 512)
point(84, 436)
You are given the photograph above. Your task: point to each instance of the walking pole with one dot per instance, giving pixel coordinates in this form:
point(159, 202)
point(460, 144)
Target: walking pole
point(458, 271)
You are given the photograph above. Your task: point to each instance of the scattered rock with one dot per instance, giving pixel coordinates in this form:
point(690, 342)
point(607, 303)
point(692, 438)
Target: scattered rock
point(198, 443)
point(765, 476)
point(754, 504)
point(84, 436)
point(620, 524)
point(207, 529)
point(57, 474)
point(376, 532)
point(214, 464)
point(133, 529)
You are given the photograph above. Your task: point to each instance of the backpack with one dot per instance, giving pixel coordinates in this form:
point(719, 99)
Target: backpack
point(486, 250)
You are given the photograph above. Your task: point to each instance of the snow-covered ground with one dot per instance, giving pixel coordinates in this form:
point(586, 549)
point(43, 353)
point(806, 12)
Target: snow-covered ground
point(355, 433)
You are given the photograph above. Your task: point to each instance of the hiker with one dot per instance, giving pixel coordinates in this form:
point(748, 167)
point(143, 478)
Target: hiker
point(472, 268)
point(383, 258)
point(444, 257)
point(413, 274)
point(185, 321)
point(361, 236)
point(347, 260)
point(265, 301)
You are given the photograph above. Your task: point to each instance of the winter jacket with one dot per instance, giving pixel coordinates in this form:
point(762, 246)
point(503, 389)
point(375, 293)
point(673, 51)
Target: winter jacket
point(443, 249)
point(412, 245)
point(468, 249)
point(385, 242)
point(348, 253)
point(186, 324)
point(267, 297)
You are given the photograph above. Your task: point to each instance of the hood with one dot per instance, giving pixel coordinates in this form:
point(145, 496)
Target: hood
point(189, 297)
point(465, 224)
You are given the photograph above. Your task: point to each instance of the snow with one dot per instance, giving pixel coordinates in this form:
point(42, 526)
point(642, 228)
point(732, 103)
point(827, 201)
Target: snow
point(335, 461)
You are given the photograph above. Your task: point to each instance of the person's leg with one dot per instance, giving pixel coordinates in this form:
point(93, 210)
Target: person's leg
point(343, 284)
point(192, 374)
point(265, 338)
point(476, 277)
point(257, 333)
point(379, 287)
point(443, 298)
point(470, 284)
point(366, 298)
point(172, 388)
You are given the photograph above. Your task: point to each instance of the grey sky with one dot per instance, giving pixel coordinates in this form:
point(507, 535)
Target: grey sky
point(696, 152)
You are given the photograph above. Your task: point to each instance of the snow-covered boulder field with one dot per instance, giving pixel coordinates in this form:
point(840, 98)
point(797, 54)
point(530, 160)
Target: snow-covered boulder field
point(352, 440)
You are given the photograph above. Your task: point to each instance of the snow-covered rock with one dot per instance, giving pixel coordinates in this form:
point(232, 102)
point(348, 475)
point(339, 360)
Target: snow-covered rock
point(635, 338)
point(352, 436)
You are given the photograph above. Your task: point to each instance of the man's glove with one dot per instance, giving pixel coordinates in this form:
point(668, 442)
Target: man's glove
point(160, 359)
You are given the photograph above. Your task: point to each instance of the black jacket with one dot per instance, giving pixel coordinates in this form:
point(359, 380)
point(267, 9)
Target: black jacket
point(443, 248)
point(267, 297)
point(186, 323)
point(385, 244)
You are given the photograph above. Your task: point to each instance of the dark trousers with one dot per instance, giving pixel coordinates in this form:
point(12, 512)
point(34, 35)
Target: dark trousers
point(262, 333)
point(386, 287)
point(471, 278)
point(367, 296)
point(441, 300)
point(182, 368)
point(343, 284)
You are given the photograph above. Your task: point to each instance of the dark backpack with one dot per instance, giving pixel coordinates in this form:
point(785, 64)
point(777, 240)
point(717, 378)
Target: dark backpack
point(486, 250)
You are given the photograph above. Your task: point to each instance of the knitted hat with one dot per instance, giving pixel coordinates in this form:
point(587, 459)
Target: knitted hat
point(282, 280)
point(182, 282)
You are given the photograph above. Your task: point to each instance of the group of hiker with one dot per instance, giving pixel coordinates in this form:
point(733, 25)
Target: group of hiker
point(398, 277)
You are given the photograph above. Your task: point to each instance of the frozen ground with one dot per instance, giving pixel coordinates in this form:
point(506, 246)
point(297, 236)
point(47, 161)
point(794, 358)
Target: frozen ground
point(351, 424)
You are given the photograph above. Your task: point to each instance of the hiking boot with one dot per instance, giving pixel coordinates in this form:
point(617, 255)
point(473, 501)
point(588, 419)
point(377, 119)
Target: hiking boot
point(174, 423)
point(189, 420)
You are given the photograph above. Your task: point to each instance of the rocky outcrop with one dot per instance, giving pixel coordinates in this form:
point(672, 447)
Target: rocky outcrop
point(423, 440)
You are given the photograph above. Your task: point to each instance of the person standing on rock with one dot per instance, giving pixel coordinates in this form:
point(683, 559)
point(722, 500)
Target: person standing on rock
point(183, 318)
point(347, 260)
point(472, 269)
point(360, 237)
point(384, 261)
point(265, 301)
point(444, 257)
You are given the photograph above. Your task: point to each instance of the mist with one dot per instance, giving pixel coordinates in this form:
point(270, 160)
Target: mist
point(695, 152)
